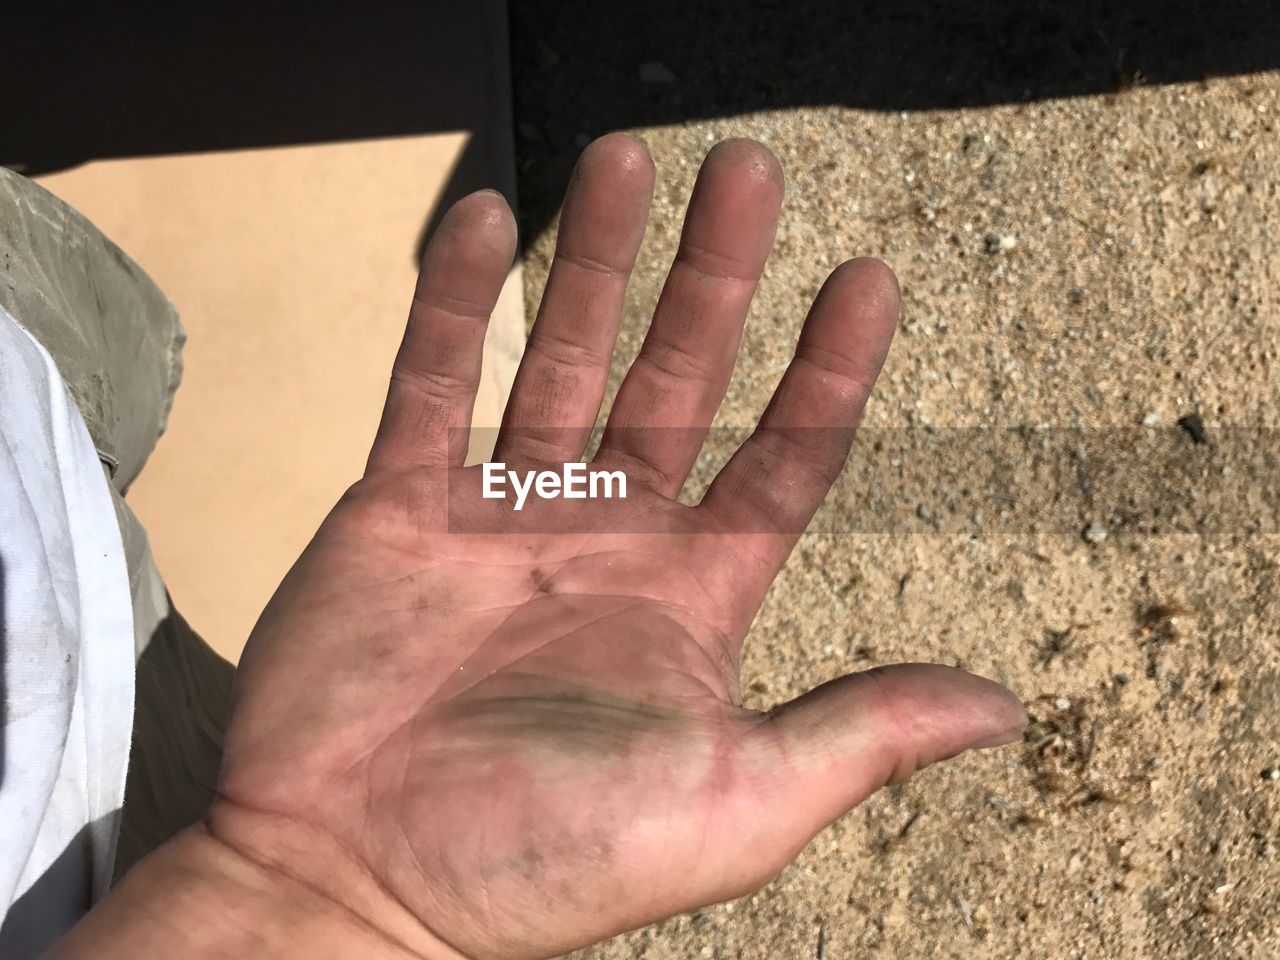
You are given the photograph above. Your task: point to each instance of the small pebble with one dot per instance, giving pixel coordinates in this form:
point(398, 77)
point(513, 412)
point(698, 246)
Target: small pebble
point(1194, 427)
point(1271, 773)
point(1062, 703)
point(999, 243)
point(1095, 533)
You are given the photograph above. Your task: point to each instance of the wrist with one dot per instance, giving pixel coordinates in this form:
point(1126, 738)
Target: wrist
point(198, 896)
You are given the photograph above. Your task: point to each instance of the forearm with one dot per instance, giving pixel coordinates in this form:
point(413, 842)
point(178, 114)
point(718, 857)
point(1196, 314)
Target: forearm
point(198, 897)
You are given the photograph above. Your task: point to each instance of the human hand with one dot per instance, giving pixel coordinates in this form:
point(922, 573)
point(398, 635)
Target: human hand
point(479, 736)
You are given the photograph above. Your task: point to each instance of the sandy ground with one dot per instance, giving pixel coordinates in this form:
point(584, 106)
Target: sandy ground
point(1104, 264)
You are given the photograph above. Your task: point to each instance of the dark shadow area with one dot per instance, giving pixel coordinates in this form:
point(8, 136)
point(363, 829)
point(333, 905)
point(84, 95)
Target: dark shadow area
point(582, 70)
point(180, 708)
point(104, 83)
point(54, 903)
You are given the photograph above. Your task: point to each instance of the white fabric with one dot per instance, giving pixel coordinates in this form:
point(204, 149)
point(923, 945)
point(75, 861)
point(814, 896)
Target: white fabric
point(66, 632)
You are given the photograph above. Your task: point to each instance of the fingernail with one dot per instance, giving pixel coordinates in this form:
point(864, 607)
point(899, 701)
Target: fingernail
point(998, 739)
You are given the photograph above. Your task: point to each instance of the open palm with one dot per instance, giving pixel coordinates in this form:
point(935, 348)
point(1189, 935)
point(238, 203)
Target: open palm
point(510, 733)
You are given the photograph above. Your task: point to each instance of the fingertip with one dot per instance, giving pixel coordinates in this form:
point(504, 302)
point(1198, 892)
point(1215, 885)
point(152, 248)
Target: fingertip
point(995, 704)
point(483, 206)
point(853, 735)
point(743, 171)
point(625, 156)
point(949, 708)
point(873, 282)
point(484, 216)
point(1008, 715)
point(875, 273)
point(751, 157)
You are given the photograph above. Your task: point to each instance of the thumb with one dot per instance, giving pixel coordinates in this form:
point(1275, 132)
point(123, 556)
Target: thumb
point(836, 745)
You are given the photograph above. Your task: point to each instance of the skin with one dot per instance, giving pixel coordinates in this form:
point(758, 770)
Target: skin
point(460, 730)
